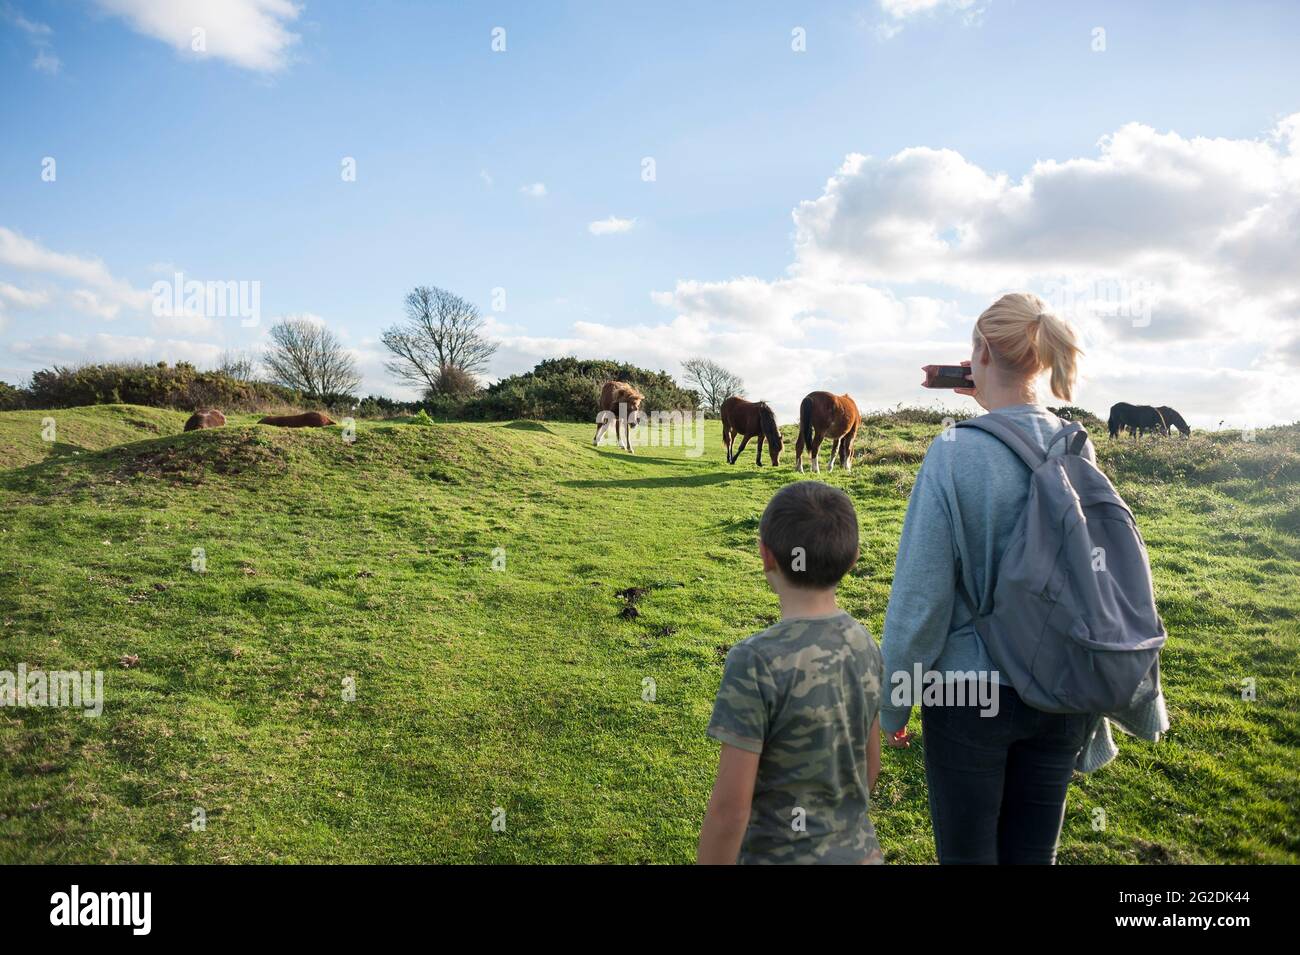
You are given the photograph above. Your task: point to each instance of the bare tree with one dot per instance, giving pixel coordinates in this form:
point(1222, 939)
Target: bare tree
point(442, 331)
point(714, 382)
point(308, 357)
point(240, 365)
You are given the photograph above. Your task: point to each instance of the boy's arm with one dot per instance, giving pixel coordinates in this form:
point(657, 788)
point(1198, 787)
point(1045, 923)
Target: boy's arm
point(728, 813)
point(873, 754)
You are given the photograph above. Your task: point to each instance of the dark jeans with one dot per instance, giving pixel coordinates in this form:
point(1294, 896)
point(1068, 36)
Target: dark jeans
point(997, 783)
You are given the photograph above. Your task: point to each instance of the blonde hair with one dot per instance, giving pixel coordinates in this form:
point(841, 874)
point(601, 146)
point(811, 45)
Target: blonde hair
point(1023, 336)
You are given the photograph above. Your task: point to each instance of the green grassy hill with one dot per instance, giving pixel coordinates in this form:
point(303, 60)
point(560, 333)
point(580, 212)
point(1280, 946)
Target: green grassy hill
point(521, 688)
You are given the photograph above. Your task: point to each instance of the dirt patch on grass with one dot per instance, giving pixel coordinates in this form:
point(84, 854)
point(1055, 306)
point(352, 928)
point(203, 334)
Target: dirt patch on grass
point(191, 458)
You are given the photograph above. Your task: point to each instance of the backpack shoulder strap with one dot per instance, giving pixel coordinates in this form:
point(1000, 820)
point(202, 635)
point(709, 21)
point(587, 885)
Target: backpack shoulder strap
point(1009, 434)
point(1075, 435)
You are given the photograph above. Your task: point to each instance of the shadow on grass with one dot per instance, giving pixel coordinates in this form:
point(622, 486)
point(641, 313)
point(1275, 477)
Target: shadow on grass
point(694, 480)
point(62, 449)
point(527, 424)
point(640, 458)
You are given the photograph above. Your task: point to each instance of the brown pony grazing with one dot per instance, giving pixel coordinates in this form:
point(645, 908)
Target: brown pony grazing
point(619, 403)
point(205, 419)
point(749, 419)
point(824, 415)
point(308, 419)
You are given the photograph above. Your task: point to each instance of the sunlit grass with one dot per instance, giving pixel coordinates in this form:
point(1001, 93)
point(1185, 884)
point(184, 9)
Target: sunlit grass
point(521, 689)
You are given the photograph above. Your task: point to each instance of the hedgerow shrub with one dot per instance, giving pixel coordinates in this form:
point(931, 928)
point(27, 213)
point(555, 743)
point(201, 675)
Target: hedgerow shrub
point(160, 385)
point(11, 398)
point(568, 389)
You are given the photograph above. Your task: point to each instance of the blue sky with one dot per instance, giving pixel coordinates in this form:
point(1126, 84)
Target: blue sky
point(226, 165)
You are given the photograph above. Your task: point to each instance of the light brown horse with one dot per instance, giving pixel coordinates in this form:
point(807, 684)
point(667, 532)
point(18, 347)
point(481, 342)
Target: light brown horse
point(824, 415)
point(308, 419)
point(750, 419)
point(205, 419)
point(620, 403)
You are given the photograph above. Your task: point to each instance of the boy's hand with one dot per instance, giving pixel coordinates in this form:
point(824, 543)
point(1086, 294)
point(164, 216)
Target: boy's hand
point(900, 740)
point(728, 814)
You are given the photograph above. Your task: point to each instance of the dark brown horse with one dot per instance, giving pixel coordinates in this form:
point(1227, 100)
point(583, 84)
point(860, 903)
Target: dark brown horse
point(1175, 421)
point(750, 419)
point(824, 415)
point(1136, 419)
point(205, 419)
point(620, 404)
point(308, 419)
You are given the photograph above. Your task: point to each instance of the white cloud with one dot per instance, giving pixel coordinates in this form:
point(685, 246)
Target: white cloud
point(106, 295)
point(38, 35)
point(252, 34)
point(610, 226)
point(905, 9)
point(22, 298)
point(899, 12)
point(65, 349)
point(486, 177)
point(535, 190)
point(47, 62)
point(1201, 231)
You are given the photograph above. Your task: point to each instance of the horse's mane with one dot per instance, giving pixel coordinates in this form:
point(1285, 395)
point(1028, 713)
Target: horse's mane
point(623, 388)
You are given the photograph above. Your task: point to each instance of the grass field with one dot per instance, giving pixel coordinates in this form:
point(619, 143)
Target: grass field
point(521, 688)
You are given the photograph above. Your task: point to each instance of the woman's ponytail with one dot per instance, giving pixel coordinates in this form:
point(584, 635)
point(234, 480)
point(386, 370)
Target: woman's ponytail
point(1058, 349)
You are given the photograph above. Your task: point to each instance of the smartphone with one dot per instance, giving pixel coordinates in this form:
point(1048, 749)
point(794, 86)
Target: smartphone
point(947, 376)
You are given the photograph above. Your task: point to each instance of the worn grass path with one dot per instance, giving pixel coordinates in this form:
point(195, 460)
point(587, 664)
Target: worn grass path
point(521, 688)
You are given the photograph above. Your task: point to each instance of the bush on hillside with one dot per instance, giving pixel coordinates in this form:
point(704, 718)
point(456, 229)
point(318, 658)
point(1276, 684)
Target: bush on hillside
point(378, 406)
point(568, 389)
point(914, 415)
point(11, 398)
point(1081, 415)
point(161, 385)
point(421, 418)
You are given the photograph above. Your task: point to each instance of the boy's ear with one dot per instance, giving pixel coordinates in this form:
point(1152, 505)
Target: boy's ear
point(769, 559)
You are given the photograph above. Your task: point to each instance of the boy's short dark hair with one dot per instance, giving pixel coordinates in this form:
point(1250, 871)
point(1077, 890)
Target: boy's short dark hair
point(812, 531)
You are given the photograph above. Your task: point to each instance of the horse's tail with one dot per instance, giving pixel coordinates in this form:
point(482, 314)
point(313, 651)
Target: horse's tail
point(767, 423)
point(805, 421)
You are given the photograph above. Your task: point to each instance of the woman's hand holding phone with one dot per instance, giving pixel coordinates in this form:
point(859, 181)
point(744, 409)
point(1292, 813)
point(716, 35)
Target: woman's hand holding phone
point(969, 392)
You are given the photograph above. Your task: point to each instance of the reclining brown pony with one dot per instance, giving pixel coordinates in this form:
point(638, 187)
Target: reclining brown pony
point(620, 403)
point(749, 419)
point(824, 415)
point(205, 419)
point(308, 419)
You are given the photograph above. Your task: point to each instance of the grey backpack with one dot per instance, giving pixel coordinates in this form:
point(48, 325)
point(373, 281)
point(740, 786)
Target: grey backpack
point(1073, 623)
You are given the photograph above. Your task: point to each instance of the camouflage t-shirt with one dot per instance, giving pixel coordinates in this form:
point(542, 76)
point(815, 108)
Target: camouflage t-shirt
point(804, 693)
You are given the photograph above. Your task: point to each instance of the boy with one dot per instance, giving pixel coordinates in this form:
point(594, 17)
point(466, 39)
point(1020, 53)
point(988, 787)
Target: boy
point(798, 710)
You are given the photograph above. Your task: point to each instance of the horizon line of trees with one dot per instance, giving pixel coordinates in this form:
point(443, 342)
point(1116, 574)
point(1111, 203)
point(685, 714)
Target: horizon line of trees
point(440, 346)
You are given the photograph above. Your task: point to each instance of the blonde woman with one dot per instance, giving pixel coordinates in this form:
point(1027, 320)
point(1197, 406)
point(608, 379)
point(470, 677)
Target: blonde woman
point(997, 770)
